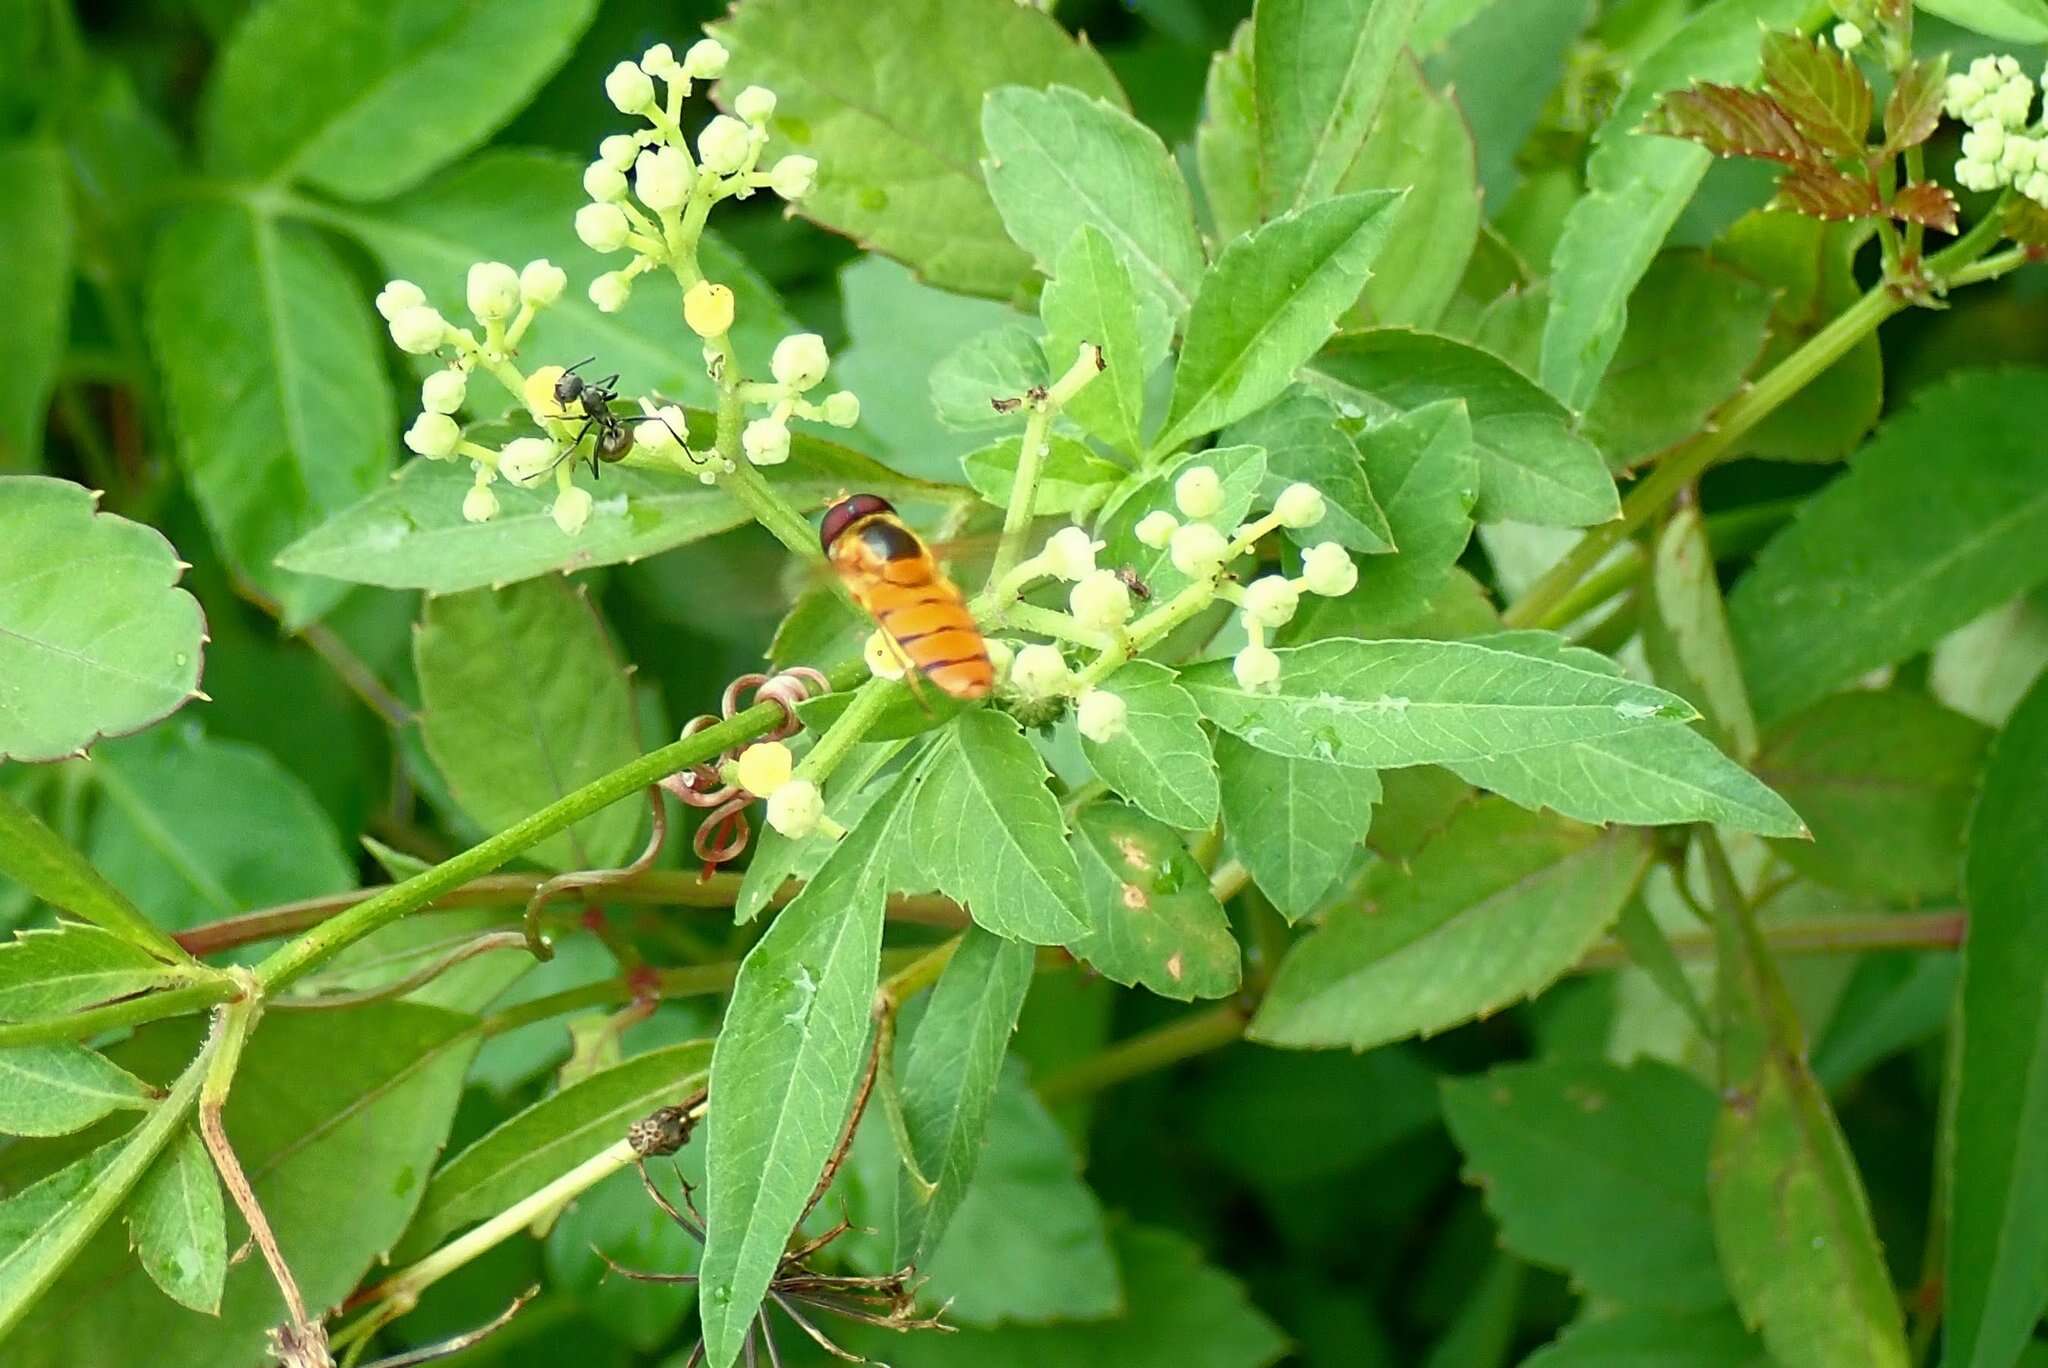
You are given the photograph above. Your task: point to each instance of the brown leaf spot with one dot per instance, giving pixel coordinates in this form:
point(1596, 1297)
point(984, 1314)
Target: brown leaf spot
point(1175, 966)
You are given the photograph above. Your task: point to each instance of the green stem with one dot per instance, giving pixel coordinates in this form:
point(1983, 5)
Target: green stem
point(136, 1011)
point(846, 731)
point(1184, 1038)
point(1031, 458)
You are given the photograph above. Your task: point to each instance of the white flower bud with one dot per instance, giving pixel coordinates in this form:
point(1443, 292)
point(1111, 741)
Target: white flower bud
point(705, 60)
point(1198, 550)
point(724, 145)
point(572, 509)
point(433, 435)
point(493, 290)
point(1198, 492)
point(842, 408)
point(1039, 671)
point(883, 658)
point(663, 431)
point(1000, 659)
point(541, 282)
point(525, 459)
point(1271, 600)
point(398, 296)
point(610, 291)
point(755, 104)
point(1100, 715)
point(1069, 553)
point(764, 767)
point(603, 227)
point(1300, 505)
point(1156, 529)
point(800, 361)
point(660, 60)
point(1848, 37)
point(629, 89)
point(604, 182)
point(1256, 668)
point(707, 308)
point(1100, 601)
point(479, 505)
point(766, 441)
point(443, 391)
point(1327, 569)
point(795, 808)
point(618, 152)
point(419, 329)
point(661, 178)
point(794, 176)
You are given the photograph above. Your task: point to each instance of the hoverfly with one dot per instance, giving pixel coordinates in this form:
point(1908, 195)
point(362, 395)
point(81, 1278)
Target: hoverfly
point(892, 574)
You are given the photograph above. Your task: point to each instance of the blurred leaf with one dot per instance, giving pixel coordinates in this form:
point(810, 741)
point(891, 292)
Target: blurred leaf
point(1420, 141)
point(616, 1220)
point(948, 1077)
point(1304, 442)
point(523, 700)
point(897, 135)
point(1320, 71)
point(1266, 306)
point(1937, 520)
point(1059, 161)
point(1886, 779)
point(1505, 65)
point(1532, 466)
point(1284, 1119)
point(2015, 21)
point(533, 1147)
point(1493, 909)
point(1913, 110)
point(1161, 760)
point(1091, 298)
point(1227, 140)
point(1994, 1146)
point(1482, 1333)
point(1685, 634)
point(60, 1088)
point(1638, 183)
point(1638, 1335)
point(367, 97)
point(277, 393)
point(179, 1227)
point(45, 972)
point(1598, 1171)
point(1297, 824)
point(1072, 480)
point(94, 639)
point(1242, 470)
point(35, 279)
point(1984, 668)
point(1651, 397)
point(1157, 925)
point(1002, 363)
point(195, 828)
point(1892, 1002)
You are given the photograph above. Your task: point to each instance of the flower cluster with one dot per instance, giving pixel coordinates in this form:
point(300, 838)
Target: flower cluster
point(795, 806)
point(2004, 145)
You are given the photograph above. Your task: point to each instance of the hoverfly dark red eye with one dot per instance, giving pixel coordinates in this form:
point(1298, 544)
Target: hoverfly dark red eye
point(848, 511)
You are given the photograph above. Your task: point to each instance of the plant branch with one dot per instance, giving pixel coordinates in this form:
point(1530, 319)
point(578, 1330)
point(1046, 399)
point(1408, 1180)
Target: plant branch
point(1031, 457)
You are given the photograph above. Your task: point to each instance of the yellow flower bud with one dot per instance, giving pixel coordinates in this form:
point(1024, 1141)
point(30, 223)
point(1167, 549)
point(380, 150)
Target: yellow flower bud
point(707, 308)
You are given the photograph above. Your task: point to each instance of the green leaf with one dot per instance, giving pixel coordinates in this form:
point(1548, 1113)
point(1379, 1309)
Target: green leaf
point(1505, 65)
point(1493, 909)
point(1002, 363)
point(1320, 71)
point(897, 135)
point(94, 639)
point(1283, 1119)
point(368, 97)
point(1227, 139)
point(1886, 779)
point(1267, 304)
point(1685, 634)
point(57, 1089)
point(35, 279)
point(1982, 670)
point(278, 397)
point(777, 859)
point(195, 828)
point(1639, 1335)
point(2015, 21)
point(43, 1225)
point(1651, 397)
point(1242, 470)
point(523, 701)
point(1157, 925)
point(785, 1064)
point(990, 835)
point(532, 1148)
point(1072, 480)
point(1532, 466)
point(1995, 1145)
point(1937, 520)
point(1420, 141)
point(179, 1227)
point(1638, 183)
point(1384, 704)
point(1297, 824)
point(1598, 1171)
point(1303, 441)
point(1059, 161)
point(1161, 760)
point(1091, 298)
point(949, 1074)
point(45, 972)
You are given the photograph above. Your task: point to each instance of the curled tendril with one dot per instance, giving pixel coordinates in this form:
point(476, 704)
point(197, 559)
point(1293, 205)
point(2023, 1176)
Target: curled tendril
point(536, 941)
point(724, 832)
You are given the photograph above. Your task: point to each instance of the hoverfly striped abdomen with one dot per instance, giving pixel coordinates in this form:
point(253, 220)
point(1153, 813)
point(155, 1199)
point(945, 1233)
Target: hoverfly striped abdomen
point(891, 574)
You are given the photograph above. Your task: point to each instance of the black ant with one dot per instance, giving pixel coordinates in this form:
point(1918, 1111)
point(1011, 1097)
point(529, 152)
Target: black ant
point(614, 436)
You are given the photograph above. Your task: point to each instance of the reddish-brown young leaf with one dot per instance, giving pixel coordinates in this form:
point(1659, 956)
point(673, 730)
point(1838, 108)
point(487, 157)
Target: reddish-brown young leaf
point(1914, 108)
point(1926, 203)
point(1732, 122)
point(2026, 223)
point(1822, 89)
point(1824, 193)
